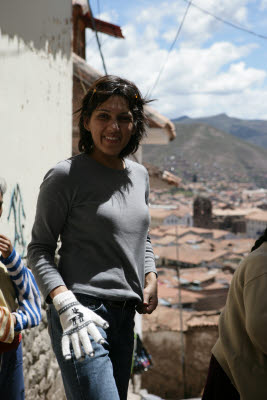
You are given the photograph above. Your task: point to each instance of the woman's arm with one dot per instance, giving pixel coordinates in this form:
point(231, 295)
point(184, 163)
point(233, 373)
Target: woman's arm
point(29, 311)
point(150, 301)
point(53, 207)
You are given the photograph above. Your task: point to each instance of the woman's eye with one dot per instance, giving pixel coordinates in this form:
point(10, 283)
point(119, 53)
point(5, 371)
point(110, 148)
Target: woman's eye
point(103, 116)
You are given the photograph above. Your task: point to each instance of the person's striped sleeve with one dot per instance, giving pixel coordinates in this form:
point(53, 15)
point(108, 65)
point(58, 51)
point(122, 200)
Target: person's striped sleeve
point(28, 295)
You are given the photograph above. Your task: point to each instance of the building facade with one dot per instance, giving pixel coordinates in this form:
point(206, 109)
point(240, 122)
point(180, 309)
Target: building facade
point(36, 104)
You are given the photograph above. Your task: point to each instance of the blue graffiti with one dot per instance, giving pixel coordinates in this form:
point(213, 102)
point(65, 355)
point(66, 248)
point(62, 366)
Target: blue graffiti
point(17, 209)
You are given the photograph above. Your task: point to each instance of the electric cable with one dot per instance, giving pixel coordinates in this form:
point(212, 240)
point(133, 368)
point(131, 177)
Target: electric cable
point(98, 6)
point(180, 312)
point(97, 38)
point(170, 49)
point(224, 21)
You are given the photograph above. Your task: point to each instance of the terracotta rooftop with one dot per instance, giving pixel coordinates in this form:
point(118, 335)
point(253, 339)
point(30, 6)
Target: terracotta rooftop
point(187, 254)
point(236, 212)
point(257, 216)
point(168, 319)
point(163, 212)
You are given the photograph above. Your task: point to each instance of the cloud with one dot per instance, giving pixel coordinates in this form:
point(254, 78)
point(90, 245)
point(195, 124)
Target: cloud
point(203, 76)
point(111, 16)
point(263, 5)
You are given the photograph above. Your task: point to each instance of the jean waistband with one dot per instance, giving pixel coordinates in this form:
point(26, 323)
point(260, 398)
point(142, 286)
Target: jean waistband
point(127, 303)
point(121, 304)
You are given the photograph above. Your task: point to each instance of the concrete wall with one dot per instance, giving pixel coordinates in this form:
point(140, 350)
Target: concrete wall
point(165, 379)
point(36, 103)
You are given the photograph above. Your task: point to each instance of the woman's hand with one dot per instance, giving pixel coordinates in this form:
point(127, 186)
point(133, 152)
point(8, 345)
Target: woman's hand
point(77, 322)
point(6, 247)
point(150, 295)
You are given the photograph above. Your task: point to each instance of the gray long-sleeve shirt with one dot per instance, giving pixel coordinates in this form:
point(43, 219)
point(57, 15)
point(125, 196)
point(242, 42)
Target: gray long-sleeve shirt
point(101, 215)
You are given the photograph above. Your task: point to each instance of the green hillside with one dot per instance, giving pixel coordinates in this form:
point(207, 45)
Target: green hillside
point(210, 154)
point(253, 131)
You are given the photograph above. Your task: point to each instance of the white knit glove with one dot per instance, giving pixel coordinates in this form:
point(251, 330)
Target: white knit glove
point(77, 321)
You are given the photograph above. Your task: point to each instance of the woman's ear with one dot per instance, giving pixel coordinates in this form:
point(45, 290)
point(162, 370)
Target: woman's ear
point(86, 123)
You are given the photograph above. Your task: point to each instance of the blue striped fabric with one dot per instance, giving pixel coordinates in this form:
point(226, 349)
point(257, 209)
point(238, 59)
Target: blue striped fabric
point(28, 295)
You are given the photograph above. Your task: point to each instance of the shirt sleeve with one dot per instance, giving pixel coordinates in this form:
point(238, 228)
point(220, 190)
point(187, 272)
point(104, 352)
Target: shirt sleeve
point(28, 314)
point(53, 206)
point(255, 302)
point(150, 265)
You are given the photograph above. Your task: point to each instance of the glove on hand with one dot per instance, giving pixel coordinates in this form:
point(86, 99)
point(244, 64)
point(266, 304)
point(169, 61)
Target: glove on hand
point(6, 326)
point(77, 321)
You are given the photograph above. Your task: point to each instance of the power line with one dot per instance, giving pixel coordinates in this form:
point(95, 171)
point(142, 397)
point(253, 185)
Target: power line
point(98, 6)
point(180, 311)
point(171, 47)
point(97, 39)
point(224, 21)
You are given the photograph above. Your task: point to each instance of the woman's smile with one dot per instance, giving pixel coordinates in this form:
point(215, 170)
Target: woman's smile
point(111, 126)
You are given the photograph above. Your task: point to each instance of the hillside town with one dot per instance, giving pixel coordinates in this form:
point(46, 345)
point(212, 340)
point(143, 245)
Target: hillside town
point(200, 233)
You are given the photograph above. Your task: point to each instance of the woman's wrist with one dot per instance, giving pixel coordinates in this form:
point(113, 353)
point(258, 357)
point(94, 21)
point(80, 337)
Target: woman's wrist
point(57, 290)
point(150, 277)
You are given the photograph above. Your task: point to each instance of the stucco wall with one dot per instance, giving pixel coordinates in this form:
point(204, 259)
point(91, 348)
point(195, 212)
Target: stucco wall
point(35, 105)
point(165, 379)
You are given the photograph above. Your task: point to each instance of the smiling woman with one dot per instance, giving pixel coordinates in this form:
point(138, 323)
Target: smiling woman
point(118, 101)
point(97, 202)
point(111, 128)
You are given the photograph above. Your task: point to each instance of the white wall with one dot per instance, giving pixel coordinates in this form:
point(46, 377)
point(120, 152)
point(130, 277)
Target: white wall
point(173, 219)
point(255, 228)
point(35, 102)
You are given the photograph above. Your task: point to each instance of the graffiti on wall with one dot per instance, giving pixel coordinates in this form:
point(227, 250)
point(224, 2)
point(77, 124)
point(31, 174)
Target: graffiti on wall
point(16, 211)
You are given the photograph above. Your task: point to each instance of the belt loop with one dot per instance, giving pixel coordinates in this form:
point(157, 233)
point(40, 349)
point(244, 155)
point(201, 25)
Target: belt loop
point(124, 304)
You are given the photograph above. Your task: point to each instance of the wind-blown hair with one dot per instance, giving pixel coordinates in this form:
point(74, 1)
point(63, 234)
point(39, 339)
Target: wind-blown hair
point(98, 93)
point(2, 186)
point(260, 240)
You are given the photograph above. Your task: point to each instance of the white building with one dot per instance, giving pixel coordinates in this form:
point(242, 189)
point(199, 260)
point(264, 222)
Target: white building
point(36, 104)
point(177, 216)
point(256, 223)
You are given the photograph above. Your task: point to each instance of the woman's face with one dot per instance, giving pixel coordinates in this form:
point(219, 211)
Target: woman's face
point(111, 126)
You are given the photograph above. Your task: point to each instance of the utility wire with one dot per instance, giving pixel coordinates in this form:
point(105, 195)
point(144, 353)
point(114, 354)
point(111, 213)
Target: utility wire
point(171, 47)
point(180, 312)
point(98, 6)
point(224, 21)
point(97, 38)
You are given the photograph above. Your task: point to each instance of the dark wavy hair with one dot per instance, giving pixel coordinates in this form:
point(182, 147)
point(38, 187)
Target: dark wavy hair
point(260, 240)
point(98, 93)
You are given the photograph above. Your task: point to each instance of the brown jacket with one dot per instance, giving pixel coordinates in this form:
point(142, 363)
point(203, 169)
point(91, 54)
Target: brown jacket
point(241, 349)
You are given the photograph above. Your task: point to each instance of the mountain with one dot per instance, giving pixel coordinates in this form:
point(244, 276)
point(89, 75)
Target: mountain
point(211, 154)
point(253, 131)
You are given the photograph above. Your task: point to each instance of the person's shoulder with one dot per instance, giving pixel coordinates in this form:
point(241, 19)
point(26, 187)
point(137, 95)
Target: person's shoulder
point(64, 167)
point(136, 167)
point(254, 264)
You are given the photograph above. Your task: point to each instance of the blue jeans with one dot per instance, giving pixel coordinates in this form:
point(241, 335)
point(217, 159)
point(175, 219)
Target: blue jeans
point(11, 375)
point(106, 375)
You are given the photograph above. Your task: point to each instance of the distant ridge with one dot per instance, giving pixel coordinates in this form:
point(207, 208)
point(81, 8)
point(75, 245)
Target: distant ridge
point(180, 119)
point(210, 154)
point(253, 131)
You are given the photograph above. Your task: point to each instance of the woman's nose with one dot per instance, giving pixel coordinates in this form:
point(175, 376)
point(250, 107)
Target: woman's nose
point(114, 125)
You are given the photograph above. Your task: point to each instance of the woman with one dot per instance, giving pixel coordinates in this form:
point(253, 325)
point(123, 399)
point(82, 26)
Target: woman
point(20, 308)
point(238, 367)
point(97, 202)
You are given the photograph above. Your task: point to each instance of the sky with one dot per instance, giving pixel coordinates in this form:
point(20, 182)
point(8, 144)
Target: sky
point(212, 68)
